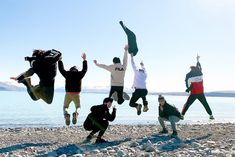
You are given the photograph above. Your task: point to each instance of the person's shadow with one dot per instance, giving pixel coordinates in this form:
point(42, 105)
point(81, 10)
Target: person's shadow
point(81, 148)
point(22, 146)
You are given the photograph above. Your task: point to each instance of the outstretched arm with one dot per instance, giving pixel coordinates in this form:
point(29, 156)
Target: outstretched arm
point(61, 68)
point(125, 57)
point(24, 75)
point(106, 67)
point(133, 63)
point(198, 63)
point(84, 65)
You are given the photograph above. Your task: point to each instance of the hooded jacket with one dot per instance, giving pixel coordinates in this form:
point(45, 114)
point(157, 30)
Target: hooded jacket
point(101, 112)
point(169, 110)
point(194, 80)
point(140, 76)
point(117, 71)
point(73, 79)
point(45, 67)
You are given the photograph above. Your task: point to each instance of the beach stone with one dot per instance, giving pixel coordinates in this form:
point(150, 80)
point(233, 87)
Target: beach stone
point(109, 148)
point(233, 154)
point(40, 152)
point(104, 150)
point(52, 154)
point(63, 155)
point(134, 144)
point(96, 151)
point(112, 151)
point(150, 149)
point(195, 144)
point(217, 153)
point(78, 155)
point(120, 153)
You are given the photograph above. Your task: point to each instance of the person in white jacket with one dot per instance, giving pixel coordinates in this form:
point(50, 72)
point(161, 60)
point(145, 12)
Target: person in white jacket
point(117, 71)
point(140, 87)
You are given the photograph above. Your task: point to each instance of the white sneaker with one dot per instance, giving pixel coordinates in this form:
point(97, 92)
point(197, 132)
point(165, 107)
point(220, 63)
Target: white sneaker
point(126, 96)
point(115, 96)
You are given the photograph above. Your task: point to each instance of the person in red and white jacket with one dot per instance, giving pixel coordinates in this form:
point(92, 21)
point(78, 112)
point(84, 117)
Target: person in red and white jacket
point(194, 84)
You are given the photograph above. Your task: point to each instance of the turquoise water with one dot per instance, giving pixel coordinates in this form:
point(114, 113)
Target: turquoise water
point(18, 110)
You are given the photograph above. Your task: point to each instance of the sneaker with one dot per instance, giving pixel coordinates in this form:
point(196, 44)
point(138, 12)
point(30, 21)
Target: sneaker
point(67, 119)
point(164, 131)
point(26, 82)
point(75, 115)
point(174, 134)
point(126, 96)
point(115, 96)
point(211, 117)
point(146, 108)
point(100, 140)
point(139, 107)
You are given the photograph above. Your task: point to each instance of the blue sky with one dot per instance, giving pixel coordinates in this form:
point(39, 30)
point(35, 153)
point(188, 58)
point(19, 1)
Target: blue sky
point(169, 32)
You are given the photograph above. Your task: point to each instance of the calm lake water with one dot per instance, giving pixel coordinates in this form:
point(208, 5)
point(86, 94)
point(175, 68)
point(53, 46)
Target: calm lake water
point(18, 110)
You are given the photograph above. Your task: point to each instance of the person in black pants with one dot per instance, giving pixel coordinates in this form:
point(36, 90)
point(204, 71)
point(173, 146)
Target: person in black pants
point(194, 84)
point(133, 49)
point(44, 64)
point(98, 120)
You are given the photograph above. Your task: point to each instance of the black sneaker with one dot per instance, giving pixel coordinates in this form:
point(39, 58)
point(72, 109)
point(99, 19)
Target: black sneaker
point(139, 107)
point(164, 131)
point(75, 115)
point(100, 140)
point(67, 119)
point(211, 117)
point(174, 134)
point(26, 82)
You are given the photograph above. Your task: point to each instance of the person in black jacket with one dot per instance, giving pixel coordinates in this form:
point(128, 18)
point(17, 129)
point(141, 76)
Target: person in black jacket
point(169, 113)
point(98, 120)
point(73, 82)
point(44, 64)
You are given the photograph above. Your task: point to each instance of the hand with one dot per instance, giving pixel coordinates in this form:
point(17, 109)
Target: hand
point(198, 57)
point(26, 58)
point(141, 63)
point(95, 61)
point(114, 108)
point(13, 78)
point(187, 90)
point(126, 48)
point(84, 56)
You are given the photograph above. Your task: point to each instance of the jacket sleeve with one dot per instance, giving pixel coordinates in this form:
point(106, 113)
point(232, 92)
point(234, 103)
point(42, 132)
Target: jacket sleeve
point(106, 67)
point(111, 117)
point(53, 56)
point(161, 114)
point(125, 57)
point(84, 68)
point(186, 81)
point(61, 68)
point(94, 108)
point(133, 64)
point(199, 66)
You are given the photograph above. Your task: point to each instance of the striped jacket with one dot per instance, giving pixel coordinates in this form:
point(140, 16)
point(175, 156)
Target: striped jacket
point(194, 80)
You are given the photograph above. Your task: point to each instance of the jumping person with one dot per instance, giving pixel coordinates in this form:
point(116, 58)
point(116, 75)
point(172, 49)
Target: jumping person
point(117, 71)
point(194, 84)
point(133, 49)
point(169, 113)
point(140, 87)
point(98, 120)
point(44, 64)
point(73, 85)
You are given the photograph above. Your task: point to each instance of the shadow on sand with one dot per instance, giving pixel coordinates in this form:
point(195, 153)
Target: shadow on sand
point(22, 146)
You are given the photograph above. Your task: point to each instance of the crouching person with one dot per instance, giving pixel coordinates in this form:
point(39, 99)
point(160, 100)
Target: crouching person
point(98, 120)
point(169, 113)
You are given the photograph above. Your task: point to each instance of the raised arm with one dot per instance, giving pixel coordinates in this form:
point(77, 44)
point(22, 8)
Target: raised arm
point(133, 64)
point(125, 57)
point(84, 65)
point(106, 67)
point(198, 63)
point(61, 68)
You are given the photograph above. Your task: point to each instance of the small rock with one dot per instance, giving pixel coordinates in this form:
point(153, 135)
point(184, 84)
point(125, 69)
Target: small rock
point(78, 155)
point(95, 151)
point(120, 153)
point(134, 144)
point(63, 155)
point(40, 152)
point(150, 149)
point(112, 151)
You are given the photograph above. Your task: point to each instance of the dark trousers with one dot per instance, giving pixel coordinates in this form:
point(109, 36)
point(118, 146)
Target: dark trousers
point(119, 91)
point(96, 126)
point(139, 93)
point(41, 91)
point(131, 40)
point(201, 98)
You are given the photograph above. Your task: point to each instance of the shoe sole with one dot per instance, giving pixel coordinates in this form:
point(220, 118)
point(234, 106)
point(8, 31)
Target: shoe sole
point(126, 96)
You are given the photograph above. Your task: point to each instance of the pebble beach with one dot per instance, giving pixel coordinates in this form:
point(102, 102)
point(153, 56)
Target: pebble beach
point(197, 140)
